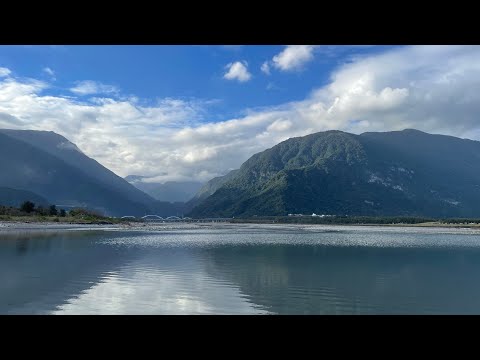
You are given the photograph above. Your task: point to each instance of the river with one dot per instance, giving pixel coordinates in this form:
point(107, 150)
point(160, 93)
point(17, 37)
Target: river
point(241, 269)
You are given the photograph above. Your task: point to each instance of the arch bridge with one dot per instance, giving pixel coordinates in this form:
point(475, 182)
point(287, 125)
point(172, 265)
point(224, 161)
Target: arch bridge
point(152, 217)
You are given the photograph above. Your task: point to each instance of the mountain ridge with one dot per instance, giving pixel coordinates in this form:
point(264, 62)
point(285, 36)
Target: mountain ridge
point(31, 161)
point(209, 188)
point(15, 197)
point(405, 172)
point(64, 149)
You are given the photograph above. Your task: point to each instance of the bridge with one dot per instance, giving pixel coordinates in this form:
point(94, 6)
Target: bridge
point(157, 218)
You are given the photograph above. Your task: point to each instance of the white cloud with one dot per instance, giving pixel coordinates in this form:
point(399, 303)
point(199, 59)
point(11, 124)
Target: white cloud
point(89, 87)
point(265, 68)
point(49, 71)
point(431, 88)
point(272, 86)
point(293, 57)
point(279, 126)
point(4, 72)
point(237, 71)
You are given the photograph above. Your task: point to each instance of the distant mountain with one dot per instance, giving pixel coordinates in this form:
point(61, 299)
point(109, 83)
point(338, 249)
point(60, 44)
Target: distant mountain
point(134, 178)
point(171, 191)
point(15, 198)
point(54, 168)
point(393, 173)
point(209, 188)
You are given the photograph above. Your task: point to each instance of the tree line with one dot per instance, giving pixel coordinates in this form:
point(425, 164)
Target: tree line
point(374, 220)
point(29, 208)
point(360, 220)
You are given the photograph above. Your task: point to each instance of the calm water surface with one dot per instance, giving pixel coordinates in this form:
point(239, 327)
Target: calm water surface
point(241, 270)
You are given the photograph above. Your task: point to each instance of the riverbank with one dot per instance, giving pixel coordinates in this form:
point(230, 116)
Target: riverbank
point(49, 225)
point(428, 224)
point(45, 225)
point(173, 226)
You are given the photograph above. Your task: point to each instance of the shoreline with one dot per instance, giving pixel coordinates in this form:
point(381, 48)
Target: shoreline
point(41, 225)
point(152, 226)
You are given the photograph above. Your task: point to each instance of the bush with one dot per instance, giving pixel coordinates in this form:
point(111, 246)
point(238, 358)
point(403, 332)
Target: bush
point(63, 213)
point(10, 211)
point(53, 210)
point(42, 211)
point(27, 207)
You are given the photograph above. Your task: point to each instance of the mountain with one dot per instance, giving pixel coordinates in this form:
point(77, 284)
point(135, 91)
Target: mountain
point(58, 146)
point(408, 172)
point(208, 189)
point(213, 185)
point(15, 198)
point(171, 191)
point(54, 168)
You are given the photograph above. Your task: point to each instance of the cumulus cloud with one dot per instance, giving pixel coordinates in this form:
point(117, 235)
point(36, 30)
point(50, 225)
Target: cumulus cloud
point(237, 70)
point(265, 68)
point(430, 88)
point(293, 57)
point(89, 87)
point(4, 72)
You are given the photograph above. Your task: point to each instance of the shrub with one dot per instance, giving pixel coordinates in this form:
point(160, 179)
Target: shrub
point(42, 211)
point(53, 210)
point(27, 207)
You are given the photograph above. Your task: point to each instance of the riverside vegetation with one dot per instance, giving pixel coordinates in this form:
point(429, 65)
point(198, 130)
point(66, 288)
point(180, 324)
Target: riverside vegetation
point(29, 212)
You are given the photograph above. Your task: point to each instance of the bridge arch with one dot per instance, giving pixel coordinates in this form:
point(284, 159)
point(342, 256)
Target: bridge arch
point(156, 217)
point(173, 218)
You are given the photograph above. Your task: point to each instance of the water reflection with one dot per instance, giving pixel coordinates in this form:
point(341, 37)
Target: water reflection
point(88, 273)
point(39, 270)
point(240, 271)
point(164, 282)
point(352, 280)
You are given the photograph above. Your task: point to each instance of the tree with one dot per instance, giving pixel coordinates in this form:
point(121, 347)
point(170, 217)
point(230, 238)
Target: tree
point(42, 211)
point(27, 207)
point(53, 210)
point(63, 213)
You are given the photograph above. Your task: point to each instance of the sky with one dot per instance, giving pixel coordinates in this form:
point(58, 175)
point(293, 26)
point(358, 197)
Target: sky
point(181, 113)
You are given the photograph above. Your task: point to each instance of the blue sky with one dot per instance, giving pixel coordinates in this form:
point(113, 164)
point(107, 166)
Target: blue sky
point(196, 112)
point(182, 72)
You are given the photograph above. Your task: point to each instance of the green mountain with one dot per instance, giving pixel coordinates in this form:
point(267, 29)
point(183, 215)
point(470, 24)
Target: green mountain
point(209, 188)
point(408, 173)
point(54, 168)
point(15, 198)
